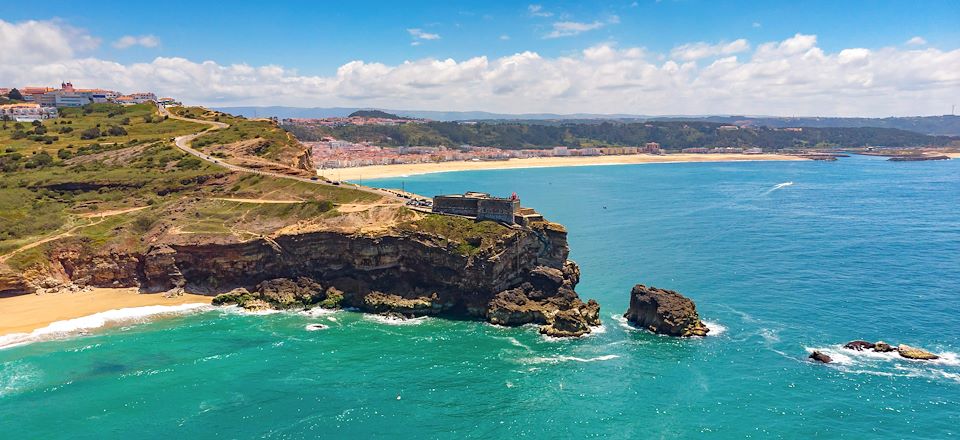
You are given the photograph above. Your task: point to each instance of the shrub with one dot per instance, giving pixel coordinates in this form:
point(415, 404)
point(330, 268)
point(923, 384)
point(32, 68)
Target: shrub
point(39, 160)
point(117, 130)
point(90, 133)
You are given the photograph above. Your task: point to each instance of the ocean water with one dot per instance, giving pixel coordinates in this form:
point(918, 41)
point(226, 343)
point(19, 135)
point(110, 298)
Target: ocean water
point(781, 258)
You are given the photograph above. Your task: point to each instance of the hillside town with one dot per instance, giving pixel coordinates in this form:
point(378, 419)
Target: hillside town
point(37, 103)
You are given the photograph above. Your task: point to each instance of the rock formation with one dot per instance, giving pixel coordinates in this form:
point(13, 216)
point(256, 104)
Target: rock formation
point(523, 278)
point(820, 357)
point(915, 353)
point(859, 345)
point(883, 347)
point(664, 311)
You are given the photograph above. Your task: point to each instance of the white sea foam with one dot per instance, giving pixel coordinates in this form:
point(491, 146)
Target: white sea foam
point(564, 358)
point(314, 327)
point(70, 327)
point(390, 320)
point(891, 363)
point(318, 311)
point(715, 328)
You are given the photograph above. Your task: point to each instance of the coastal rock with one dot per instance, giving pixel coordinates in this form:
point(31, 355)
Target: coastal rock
point(883, 347)
point(915, 353)
point(664, 311)
point(522, 277)
point(858, 345)
point(820, 357)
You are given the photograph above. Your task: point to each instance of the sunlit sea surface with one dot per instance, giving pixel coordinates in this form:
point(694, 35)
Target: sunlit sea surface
point(781, 258)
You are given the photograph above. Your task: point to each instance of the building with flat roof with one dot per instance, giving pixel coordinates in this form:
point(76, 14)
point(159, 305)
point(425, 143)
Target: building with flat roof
point(483, 206)
point(27, 112)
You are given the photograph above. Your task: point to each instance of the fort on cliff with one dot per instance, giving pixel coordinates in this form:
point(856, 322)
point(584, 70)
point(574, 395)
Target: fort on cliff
point(483, 206)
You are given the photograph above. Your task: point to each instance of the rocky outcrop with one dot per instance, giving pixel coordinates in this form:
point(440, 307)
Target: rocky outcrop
point(883, 347)
point(915, 353)
point(664, 311)
point(820, 357)
point(523, 278)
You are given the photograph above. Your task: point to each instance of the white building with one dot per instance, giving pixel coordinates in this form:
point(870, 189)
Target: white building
point(27, 112)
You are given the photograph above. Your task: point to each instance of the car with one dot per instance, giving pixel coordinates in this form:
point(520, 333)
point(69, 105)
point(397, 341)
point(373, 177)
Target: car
point(314, 178)
point(335, 183)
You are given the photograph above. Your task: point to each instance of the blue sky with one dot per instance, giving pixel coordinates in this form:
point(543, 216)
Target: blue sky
point(318, 44)
point(317, 37)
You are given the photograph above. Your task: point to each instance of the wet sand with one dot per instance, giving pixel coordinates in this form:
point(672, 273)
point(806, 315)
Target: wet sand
point(25, 313)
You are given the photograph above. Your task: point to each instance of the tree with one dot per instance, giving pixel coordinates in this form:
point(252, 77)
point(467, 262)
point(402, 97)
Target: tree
point(116, 130)
point(36, 123)
point(15, 94)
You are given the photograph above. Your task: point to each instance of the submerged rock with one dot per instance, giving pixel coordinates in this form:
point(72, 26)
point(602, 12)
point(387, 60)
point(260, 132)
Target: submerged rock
point(315, 327)
point(820, 357)
point(664, 311)
point(858, 345)
point(915, 353)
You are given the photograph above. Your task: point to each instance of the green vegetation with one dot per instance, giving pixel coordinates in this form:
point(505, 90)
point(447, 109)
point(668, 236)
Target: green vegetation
point(102, 124)
point(673, 135)
point(90, 189)
point(467, 235)
point(374, 114)
point(271, 142)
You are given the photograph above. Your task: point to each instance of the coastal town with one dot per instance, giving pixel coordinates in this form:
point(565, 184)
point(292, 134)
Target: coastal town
point(38, 103)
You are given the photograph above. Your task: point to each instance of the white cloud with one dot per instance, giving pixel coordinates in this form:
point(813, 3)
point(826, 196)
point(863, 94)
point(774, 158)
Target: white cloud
point(133, 40)
point(571, 28)
point(756, 24)
point(916, 41)
point(696, 51)
point(504, 37)
point(419, 34)
point(537, 11)
point(788, 77)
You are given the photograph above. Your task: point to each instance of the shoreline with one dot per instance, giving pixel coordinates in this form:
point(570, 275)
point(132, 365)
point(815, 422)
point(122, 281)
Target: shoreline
point(403, 170)
point(24, 314)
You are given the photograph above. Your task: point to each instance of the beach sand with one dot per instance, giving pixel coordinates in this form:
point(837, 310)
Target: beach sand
point(25, 313)
point(382, 171)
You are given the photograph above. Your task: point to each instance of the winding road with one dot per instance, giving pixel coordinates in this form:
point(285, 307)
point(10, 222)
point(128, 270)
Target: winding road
point(183, 143)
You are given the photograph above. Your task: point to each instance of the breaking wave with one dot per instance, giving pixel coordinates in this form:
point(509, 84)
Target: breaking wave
point(70, 327)
point(564, 358)
point(891, 363)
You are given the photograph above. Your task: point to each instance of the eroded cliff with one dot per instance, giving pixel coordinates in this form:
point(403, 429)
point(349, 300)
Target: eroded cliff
point(522, 276)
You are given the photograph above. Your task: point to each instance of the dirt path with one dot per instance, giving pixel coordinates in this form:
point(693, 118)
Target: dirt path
point(101, 216)
point(267, 201)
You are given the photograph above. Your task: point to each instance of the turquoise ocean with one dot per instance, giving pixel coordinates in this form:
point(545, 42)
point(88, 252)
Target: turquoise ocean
point(781, 258)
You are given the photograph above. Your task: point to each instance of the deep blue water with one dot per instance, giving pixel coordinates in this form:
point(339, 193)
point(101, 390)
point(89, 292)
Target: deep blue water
point(860, 248)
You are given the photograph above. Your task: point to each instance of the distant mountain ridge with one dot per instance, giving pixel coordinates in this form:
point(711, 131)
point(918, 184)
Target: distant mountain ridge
point(946, 125)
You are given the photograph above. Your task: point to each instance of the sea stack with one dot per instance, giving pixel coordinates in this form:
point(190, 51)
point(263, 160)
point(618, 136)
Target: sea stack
point(664, 311)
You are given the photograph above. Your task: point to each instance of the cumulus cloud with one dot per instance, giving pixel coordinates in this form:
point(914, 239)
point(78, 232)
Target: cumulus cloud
point(916, 41)
point(696, 51)
point(37, 41)
point(133, 40)
point(792, 76)
point(537, 11)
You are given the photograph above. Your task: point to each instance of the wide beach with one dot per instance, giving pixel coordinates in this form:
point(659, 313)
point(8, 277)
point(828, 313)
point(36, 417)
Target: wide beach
point(26, 313)
point(384, 171)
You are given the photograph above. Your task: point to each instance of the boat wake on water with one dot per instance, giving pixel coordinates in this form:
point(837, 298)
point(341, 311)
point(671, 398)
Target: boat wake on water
point(778, 186)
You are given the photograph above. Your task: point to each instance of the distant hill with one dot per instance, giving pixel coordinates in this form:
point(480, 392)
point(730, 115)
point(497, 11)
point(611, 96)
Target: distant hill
point(374, 114)
point(947, 125)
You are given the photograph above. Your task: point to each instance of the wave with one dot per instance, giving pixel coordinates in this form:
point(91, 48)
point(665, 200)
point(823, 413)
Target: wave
point(564, 358)
point(70, 327)
point(891, 363)
point(390, 320)
point(715, 328)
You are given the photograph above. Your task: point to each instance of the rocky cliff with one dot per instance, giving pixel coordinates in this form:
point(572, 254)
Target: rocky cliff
point(522, 278)
point(664, 311)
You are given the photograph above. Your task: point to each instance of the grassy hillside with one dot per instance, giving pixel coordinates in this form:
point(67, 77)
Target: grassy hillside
point(671, 135)
point(91, 129)
point(261, 138)
point(139, 189)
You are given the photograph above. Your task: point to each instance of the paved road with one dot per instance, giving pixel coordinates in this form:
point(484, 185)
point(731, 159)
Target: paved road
point(183, 143)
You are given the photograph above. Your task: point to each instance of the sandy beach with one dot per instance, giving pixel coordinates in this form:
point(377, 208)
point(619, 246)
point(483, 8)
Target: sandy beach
point(382, 171)
point(25, 313)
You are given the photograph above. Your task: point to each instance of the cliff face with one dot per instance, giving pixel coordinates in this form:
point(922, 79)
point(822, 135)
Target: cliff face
point(525, 278)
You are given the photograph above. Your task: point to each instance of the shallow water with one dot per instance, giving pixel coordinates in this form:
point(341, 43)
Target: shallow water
point(860, 248)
